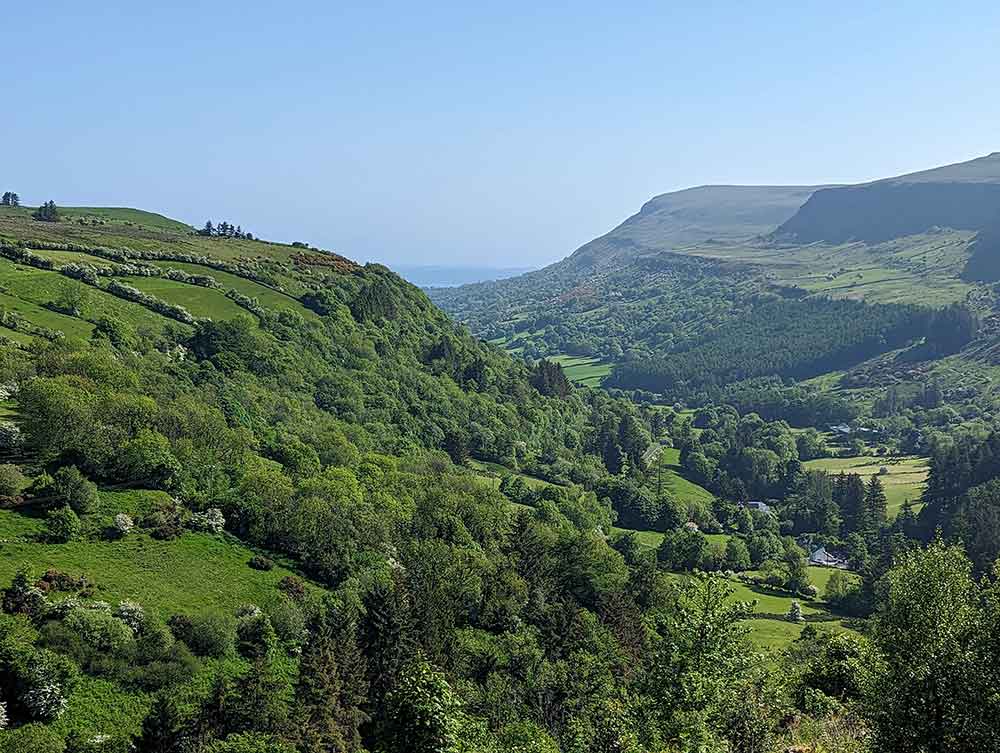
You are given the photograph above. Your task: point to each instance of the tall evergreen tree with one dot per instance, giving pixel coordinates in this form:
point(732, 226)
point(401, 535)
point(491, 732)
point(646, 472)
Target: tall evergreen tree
point(161, 729)
point(849, 495)
point(317, 697)
point(874, 506)
point(387, 640)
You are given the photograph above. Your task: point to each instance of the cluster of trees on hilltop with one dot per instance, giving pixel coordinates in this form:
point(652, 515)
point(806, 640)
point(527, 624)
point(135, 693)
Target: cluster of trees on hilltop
point(47, 212)
point(224, 230)
point(10, 199)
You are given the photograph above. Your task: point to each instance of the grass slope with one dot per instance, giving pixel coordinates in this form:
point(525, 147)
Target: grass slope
point(676, 484)
point(193, 573)
point(200, 301)
point(583, 370)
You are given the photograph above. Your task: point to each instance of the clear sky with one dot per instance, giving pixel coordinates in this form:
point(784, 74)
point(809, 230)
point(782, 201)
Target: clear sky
point(500, 134)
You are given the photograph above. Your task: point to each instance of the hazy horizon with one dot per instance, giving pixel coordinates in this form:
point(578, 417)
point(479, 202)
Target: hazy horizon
point(464, 136)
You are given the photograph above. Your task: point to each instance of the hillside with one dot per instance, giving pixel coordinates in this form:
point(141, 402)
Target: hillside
point(260, 498)
point(259, 483)
point(707, 214)
point(965, 196)
point(715, 287)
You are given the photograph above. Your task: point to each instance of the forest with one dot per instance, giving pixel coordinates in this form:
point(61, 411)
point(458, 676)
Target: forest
point(336, 521)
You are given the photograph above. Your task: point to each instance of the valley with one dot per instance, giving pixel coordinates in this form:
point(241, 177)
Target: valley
point(262, 454)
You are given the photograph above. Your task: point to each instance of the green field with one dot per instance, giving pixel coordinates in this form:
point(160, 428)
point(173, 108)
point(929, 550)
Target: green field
point(201, 302)
point(126, 215)
point(768, 629)
point(495, 472)
point(43, 317)
point(584, 370)
point(36, 287)
point(164, 576)
point(905, 480)
point(676, 484)
point(268, 297)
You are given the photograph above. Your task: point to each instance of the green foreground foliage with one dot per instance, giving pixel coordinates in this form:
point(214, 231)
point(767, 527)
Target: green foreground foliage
point(277, 530)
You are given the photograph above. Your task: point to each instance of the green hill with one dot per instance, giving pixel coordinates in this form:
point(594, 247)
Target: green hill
point(231, 464)
point(708, 293)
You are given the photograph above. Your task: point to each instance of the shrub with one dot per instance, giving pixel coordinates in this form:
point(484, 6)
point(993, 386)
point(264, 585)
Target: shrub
point(11, 437)
point(57, 580)
point(123, 523)
point(24, 598)
point(12, 480)
point(72, 488)
point(207, 634)
point(293, 586)
point(210, 521)
point(288, 621)
point(165, 522)
point(154, 641)
point(101, 630)
point(176, 667)
point(795, 612)
point(259, 562)
point(36, 738)
point(132, 614)
point(256, 635)
point(63, 525)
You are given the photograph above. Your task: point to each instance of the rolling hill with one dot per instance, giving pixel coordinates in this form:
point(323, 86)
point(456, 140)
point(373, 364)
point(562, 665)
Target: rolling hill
point(225, 461)
point(657, 302)
point(695, 216)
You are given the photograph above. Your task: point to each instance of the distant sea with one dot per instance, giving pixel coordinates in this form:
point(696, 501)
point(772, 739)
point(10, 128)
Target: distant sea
point(449, 277)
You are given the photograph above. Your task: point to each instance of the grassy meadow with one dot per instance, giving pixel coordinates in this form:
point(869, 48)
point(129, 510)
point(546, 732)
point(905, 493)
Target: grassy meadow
point(905, 480)
point(583, 370)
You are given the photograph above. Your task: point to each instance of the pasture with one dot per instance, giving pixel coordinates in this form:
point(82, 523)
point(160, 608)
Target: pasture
point(583, 370)
point(905, 480)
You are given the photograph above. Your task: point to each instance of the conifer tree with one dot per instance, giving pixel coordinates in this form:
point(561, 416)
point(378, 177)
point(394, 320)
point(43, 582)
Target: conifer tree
point(318, 697)
point(161, 729)
point(874, 506)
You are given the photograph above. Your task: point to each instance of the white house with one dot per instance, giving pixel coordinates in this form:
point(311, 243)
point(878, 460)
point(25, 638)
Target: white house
point(823, 558)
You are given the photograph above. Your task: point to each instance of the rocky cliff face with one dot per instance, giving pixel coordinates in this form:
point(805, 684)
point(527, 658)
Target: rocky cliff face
point(965, 196)
point(881, 211)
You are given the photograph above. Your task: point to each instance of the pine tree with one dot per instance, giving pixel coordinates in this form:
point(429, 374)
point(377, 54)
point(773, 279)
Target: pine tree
point(161, 729)
point(6, 199)
point(209, 229)
point(849, 495)
point(387, 639)
point(47, 212)
point(15, 200)
point(211, 722)
point(259, 704)
point(874, 506)
point(318, 697)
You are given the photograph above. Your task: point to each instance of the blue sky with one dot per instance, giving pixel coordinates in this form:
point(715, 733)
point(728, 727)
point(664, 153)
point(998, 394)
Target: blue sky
point(500, 134)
